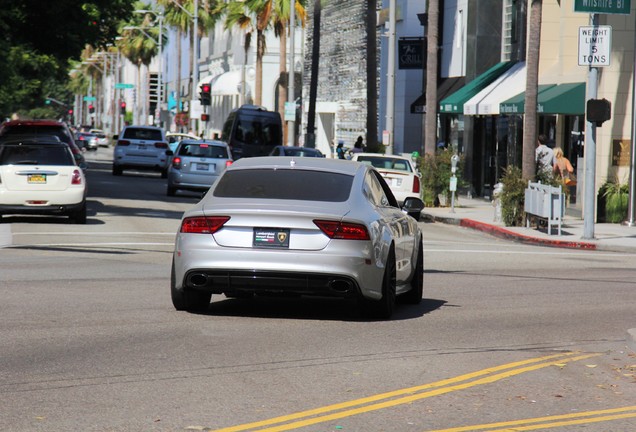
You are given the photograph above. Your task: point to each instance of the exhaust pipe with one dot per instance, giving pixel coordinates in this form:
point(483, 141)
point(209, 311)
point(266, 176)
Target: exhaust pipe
point(340, 285)
point(198, 280)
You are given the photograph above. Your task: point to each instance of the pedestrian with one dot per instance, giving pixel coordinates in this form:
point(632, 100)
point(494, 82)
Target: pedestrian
point(544, 157)
point(340, 152)
point(563, 168)
point(358, 146)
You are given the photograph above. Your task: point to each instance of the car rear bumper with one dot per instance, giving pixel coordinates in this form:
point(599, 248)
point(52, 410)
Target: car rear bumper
point(41, 209)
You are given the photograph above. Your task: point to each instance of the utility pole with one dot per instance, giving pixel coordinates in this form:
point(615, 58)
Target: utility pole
point(590, 153)
point(390, 92)
point(195, 60)
point(291, 125)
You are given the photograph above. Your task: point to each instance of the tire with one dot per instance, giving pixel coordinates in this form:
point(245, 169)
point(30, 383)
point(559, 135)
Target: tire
point(164, 173)
point(79, 216)
point(383, 308)
point(117, 171)
point(414, 295)
point(188, 300)
point(171, 191)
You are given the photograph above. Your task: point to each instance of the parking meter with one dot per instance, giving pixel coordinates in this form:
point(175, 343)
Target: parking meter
point(453, 180)
point(454, 160)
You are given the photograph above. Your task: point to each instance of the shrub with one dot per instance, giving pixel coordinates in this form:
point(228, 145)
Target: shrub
point(436, 174)
point(616, 198)
point(513, 197)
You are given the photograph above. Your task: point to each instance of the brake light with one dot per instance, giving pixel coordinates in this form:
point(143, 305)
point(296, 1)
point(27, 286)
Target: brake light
point(176, 162)
point(343, 230)
point(123, 143)
point(203, 224)
point(161, 145)
point(228, 163)
point(416, 184)
point(76, 178)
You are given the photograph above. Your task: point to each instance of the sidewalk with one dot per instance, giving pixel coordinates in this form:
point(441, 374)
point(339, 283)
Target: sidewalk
point(479, 214)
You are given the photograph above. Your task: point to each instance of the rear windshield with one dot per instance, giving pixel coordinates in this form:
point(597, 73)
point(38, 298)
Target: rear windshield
point(203, 150)
point(287, 184)
point(46, 154)
point(58, 131)
point(143, 134)
point(261, 130)
point(385, 162)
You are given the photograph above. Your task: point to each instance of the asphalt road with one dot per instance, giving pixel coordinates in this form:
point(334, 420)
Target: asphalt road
point(508, 337)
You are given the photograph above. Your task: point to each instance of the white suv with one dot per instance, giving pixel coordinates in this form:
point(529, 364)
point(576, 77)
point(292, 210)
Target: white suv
point(141, 147)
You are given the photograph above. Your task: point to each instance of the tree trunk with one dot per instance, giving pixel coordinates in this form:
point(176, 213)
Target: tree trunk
point(430, 127)
point(260, 52)
point(283, 82)
point(372, 70)
point(313, 83)
point(528, 168)
point(178, 108)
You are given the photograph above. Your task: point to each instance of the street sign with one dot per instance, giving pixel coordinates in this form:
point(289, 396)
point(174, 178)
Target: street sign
point(603, 6)
point(595, 45)
point(89, 98)
point(290, 111)
point(124, 86)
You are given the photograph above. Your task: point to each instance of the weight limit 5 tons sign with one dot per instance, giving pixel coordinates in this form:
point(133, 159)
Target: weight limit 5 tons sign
point(595, 45)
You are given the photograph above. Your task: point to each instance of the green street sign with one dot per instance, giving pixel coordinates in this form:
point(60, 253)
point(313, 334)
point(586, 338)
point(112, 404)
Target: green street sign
point(603, 6)
point(123, 86)
point(89, 98)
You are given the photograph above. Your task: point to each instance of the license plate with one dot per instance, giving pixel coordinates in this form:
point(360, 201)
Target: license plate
point(141, 146)
point(203, 167)
point(36, 178)
point(277, 238)
point(397, 182)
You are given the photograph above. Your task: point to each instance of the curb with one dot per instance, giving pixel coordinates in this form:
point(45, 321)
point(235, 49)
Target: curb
point(506, 234)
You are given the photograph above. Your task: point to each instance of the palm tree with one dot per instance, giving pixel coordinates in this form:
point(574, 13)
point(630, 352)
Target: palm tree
point(372, 64)
point(313, 84)
point(532, 83)
point(430, 132)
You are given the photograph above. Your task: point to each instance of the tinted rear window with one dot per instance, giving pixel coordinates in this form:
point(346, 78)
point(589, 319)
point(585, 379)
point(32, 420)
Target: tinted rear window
point(260, 130)
point(143, 134)
point(36, 155)
point(284, 184)
point(58, 131)
point(203, 150)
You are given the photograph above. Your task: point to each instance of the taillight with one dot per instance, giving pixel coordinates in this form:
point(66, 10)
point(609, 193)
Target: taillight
point(416, 184)
point(203, 224)
point(161, 145)
point(343, 230)
point(228, 163)
point(176, 162)
point(76, 178)
point(123, 143)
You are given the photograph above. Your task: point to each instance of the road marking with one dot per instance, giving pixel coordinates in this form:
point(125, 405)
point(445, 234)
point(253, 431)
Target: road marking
point(550, 421)
point(407, 395)
point(529, 252)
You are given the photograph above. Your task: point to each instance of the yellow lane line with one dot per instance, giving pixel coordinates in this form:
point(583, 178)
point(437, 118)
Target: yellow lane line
point(550, 421)
point(442, 387)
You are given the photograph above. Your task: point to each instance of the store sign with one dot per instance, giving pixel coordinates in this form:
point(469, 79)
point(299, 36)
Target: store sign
point(411, 53)
point(603, 6)
point(621, 152)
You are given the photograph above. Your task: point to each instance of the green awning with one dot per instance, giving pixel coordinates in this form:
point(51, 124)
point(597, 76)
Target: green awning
point(551, 99)
point(454, 104)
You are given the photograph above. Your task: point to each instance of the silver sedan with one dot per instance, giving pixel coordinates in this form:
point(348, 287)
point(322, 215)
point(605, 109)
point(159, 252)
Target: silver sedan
point(300, 226)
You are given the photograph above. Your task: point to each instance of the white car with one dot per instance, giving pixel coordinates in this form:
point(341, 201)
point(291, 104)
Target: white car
point(174, 138)
point(300, 226)
point(100, 137)
point(40, 176)
point(141, 147)
point(399, 172)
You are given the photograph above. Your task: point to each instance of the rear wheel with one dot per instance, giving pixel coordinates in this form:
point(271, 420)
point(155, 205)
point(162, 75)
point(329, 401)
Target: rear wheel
point(117, 171)
point(78, 216)
point(414, 295)
point(188, 300)
point(383, 308)
point(171, 191)
point(164, 173)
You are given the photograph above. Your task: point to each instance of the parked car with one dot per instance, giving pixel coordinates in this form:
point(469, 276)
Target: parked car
point(41, 176)
point(141, 147)
point(197, 164)
point(102, 139)
point(86, 140)
point(398, 171)
point(252, 130)
point(296, 151)
point(44, 127)
point(306, 226)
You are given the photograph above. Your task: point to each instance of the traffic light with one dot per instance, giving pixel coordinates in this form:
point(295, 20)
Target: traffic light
point(204, 95)
point(122, 108)
point(91, 108)
point(153, 88)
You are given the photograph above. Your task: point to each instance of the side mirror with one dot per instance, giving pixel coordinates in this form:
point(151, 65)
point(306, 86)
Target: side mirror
point(413, 207)
point(115, 137)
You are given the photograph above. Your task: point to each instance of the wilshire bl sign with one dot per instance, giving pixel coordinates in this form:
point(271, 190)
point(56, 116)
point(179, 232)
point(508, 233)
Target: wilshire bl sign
point(603, 6)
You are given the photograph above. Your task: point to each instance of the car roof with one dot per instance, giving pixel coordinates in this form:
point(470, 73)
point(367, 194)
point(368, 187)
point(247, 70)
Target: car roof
point(290, 162)
point(200, 141)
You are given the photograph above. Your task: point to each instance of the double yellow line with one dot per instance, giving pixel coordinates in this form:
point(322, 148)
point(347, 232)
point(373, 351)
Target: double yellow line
point(405, 396)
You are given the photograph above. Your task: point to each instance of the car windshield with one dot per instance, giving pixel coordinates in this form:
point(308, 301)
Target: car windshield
point(143, 134)
point(258, 130)
point(35, 155)
point(203, 150)
point(286, 184)
point(301, 152)
point(385, 163)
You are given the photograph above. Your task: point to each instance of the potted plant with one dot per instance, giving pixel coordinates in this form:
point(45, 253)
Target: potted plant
point(615, 198)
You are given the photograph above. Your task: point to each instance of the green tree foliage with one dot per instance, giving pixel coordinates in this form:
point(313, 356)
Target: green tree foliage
point(38, 39)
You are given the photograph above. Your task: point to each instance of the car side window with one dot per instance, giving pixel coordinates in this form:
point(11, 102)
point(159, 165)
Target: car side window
point(374, 191)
